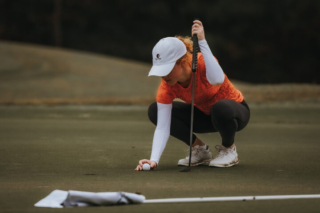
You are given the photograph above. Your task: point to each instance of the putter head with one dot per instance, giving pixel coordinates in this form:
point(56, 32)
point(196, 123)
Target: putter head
point(187, 169)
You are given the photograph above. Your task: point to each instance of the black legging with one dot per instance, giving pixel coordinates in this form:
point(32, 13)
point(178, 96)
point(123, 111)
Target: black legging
point(226, 117)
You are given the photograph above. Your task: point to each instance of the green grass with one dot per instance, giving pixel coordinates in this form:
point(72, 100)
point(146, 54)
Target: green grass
point(97, 149)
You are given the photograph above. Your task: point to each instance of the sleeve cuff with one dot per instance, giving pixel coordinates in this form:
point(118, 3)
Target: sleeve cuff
point(202, 41)
point(157, 161)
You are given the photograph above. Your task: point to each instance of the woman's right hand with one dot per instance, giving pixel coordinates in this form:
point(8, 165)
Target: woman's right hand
point(152, 164)
point(197, 28)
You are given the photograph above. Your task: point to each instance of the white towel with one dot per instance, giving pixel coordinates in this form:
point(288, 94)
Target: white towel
point(60, 199)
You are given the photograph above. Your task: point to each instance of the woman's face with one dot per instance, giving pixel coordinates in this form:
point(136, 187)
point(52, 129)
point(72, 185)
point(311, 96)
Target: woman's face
point(173, 77)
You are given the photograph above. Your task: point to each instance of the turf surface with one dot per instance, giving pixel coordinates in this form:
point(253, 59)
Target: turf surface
point(96, 148)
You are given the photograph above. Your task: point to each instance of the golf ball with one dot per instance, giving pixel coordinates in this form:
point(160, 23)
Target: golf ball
point(146, 167)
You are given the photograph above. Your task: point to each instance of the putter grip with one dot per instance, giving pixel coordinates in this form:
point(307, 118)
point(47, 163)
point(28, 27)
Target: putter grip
point(195, 51)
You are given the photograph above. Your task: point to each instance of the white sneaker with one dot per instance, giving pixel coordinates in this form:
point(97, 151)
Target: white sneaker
point(199, 155)
point(225, 158)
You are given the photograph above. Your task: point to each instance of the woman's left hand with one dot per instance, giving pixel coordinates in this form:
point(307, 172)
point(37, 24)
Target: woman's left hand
point(197, 28)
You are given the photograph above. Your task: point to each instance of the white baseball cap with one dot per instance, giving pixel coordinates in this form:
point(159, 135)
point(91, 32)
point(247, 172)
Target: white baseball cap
point(165, 54)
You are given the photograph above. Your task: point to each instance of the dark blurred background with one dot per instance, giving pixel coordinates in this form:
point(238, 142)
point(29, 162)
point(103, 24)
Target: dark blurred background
point(265, 41)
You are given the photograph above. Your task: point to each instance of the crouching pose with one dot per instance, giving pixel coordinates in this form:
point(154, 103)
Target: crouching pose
point(219, 106)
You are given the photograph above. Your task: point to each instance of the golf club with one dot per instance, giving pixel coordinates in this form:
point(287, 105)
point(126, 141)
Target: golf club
point(194, 69)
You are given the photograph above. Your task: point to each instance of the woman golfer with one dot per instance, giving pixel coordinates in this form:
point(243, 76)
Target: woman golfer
point(219, 106)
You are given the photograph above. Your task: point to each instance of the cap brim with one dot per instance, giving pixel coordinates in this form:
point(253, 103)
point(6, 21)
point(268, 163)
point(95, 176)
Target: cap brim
point(161, 70)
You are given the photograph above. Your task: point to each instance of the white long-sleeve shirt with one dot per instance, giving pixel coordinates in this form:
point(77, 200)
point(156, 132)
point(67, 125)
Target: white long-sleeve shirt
point(215, 76)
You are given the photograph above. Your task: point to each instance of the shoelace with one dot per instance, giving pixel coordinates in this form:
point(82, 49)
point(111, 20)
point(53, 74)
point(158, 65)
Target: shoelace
point(221, 151)
point(194, 151)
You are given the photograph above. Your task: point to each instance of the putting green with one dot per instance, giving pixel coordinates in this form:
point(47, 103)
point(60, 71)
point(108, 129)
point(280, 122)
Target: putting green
point(96, 148)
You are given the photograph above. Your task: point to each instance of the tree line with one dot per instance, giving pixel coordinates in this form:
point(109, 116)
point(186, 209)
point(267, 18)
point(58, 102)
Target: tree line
point(265, 41)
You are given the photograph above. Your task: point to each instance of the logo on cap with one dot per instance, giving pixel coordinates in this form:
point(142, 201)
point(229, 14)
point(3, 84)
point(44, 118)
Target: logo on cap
point(158, 57)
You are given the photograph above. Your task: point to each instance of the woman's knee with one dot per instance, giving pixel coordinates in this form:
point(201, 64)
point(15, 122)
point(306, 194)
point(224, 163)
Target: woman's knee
point(153, 113)
point(222, 110)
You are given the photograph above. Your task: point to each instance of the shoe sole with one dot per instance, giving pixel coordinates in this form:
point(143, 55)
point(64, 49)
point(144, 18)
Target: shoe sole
point(196, 164)
point(226, 165)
